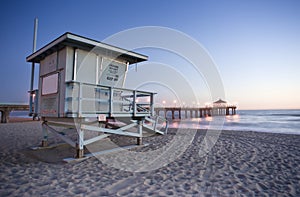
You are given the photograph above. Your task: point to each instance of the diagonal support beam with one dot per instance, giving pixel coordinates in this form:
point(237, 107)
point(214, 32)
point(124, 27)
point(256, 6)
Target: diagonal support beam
point(89, 141)
point(120, 131)
point(63, 137)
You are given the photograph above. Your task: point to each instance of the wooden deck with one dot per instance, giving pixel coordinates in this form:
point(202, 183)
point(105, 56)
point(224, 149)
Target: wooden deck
point(5, 110)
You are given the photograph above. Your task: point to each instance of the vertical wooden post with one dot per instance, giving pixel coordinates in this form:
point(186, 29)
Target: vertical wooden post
point(80, 144)
point(139, 141)
point(79, 152)
point(3, 118)
point(152, 104)
point(179, 110)
point(1, 115)
point(45, 133)
point(5, 115)
point(134, 103)
point(140, 131)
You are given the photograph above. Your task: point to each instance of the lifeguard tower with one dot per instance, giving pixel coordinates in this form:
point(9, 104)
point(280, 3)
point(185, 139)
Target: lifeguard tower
point(81, 85)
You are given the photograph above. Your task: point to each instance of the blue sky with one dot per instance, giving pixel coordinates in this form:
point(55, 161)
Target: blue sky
point(255, 44)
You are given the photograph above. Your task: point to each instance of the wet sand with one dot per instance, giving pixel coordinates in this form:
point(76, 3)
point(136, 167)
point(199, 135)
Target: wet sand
point(240, 163)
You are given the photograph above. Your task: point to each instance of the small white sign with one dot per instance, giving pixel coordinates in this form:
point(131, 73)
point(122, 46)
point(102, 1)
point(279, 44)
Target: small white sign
point(101, 118)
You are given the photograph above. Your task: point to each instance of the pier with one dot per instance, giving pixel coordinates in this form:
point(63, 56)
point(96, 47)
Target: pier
point(5, 110)
point(193, 112)
point(218, 108)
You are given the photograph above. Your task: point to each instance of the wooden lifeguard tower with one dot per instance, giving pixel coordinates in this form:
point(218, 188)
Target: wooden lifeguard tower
point(81, 85)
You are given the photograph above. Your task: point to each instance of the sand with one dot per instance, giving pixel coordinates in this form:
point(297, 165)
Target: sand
point(240, 164)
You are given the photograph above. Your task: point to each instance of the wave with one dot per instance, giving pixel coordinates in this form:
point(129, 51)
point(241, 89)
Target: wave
point(293, 115)
point(274, 121)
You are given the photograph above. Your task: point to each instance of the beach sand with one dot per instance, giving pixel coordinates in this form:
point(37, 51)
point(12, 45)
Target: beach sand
point(240, 164)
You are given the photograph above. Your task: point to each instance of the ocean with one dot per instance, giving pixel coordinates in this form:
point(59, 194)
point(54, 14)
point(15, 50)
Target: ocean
point(19, 114)
point(273, 121)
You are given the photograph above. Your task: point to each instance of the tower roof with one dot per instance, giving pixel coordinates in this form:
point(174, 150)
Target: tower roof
point(80, 42)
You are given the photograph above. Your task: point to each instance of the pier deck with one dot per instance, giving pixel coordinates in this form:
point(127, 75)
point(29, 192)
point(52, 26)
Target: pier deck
point(6, 108)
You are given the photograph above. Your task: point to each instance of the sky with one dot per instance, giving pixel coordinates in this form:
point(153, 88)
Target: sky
point(254, 44)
